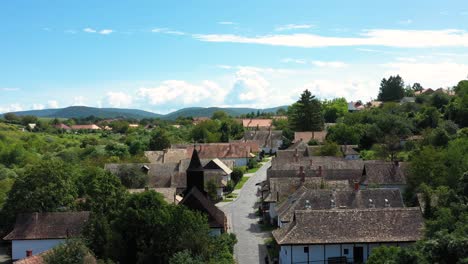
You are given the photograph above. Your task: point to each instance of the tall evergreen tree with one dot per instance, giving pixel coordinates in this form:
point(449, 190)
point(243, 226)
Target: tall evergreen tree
point(306, 113)
point(392, 89)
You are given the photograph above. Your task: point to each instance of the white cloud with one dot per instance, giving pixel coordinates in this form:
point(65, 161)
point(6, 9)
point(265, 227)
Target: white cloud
point(405, 22)
point(106, 31)
point(182, 92)
point(11, 108)
point(38, 106)
point(250, 85)
point(293, 27)
point(330, 64)
point(375, 37)
point(434, 74)
point(52, 104)
point(226, 23)
point(119, 99)
point(291, 60)
point(167, 31)
point(79, 101)
point(89, 30)
point(9, 89)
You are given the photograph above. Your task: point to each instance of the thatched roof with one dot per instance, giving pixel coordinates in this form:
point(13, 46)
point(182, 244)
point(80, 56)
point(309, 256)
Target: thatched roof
point(377, 225)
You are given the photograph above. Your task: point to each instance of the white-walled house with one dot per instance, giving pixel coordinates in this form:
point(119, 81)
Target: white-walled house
point(346, 235)
point(38, 232)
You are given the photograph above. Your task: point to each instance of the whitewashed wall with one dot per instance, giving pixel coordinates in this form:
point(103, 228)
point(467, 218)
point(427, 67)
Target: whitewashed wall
point(19, 247)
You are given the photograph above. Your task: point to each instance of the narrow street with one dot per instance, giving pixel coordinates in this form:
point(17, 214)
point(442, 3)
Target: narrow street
point(243, 221)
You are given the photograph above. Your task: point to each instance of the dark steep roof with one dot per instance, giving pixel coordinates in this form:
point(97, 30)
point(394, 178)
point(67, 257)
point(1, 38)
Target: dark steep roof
point(343, 199)
point(384, 173)
point(48, 225)
point(195, 200)
point(195, 164)
point(352, 226)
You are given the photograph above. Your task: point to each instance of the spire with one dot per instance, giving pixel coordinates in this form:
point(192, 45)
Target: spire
point(195, 163)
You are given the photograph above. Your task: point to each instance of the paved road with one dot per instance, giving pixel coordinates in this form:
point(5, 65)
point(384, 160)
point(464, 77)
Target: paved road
point(244, 222)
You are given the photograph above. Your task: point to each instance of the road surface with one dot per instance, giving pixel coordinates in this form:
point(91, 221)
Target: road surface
point(243, 221)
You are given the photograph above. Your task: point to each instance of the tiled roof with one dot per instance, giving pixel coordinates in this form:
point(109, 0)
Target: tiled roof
point(218, 150)
point(265, 138)
point(343, 199)
point(77, 127)
point(62, 126)
point(195, 200)
point(308, 135)
point(253, 123)
point(39, 259)
point(352, 226)
point(48, 225)
point(384, 173)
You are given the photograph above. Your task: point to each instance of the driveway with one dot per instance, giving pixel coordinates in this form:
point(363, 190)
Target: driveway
point(243, 221)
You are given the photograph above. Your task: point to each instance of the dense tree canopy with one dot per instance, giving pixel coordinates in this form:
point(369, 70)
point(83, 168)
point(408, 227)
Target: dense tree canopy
point(306, 113)
point(391, 89)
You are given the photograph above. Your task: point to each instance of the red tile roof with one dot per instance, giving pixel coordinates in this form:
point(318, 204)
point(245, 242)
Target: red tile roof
point(253, 123)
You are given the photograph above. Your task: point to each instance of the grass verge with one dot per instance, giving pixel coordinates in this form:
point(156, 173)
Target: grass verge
point(241, 183)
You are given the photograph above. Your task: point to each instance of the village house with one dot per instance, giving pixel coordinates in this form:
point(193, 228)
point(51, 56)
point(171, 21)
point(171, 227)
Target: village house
point(165, 177)
point(195, 196)
point(198, 120)
point(62, 127)
point(345, 236)
point(37, 232)
point(382, 174)
point(268, 140)
point(321, 199)
point(307, 136)
point(257, 124)
point(349, 152)
point(85, 127)
point(238, 152)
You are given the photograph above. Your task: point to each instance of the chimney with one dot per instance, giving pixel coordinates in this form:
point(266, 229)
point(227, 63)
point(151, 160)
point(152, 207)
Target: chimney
point(387, 203)
point(296, 156)
point(311, 163)
point(29, 253)
point(371, 204)
point(356, 186)
point(397, 163)
point(320, 171)
point(302, 174)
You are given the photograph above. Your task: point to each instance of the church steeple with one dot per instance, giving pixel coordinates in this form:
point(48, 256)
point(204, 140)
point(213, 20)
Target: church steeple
point(195, 175)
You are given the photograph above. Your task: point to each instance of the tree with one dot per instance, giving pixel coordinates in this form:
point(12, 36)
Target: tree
point(219, 115)
point(417, 87)
point(225, 131)
point(306, 113)
point(44, 187)
point(329, 149)
point(344, 134)
point(237, 174)
point(11, 117)
point(212, 190)
point(185, 257)
point(132, 176)
point(391, 89)
point(159, 140)
point(334, 109)
point(71, 252)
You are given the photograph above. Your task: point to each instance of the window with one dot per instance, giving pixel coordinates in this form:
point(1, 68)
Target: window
point(346, 251)
point(306, 249)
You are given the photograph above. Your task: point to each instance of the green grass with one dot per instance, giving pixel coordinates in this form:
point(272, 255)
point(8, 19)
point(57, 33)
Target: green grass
point(241, 183)
point(252, 170)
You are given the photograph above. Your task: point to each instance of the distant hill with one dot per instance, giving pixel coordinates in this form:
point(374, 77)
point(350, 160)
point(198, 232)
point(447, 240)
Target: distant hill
point(84, 111)
point(208, 112)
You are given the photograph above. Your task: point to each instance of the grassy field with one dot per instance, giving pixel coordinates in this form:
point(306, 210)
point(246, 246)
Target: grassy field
point(241, 183)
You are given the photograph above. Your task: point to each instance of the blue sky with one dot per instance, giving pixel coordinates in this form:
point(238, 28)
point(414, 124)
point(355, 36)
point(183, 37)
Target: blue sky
point(165, 55)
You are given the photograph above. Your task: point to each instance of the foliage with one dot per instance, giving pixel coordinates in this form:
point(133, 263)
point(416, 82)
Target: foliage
point(344, 134)
point(44, 187)
point(237, 174)
point(212, 190)
point(132, 176)
point(185, 257)
point(329, 149)
point(71, 252)
point(391, 89)
point(305, 114)
point(334, 109)
point(159, 140)
point(252, 163)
